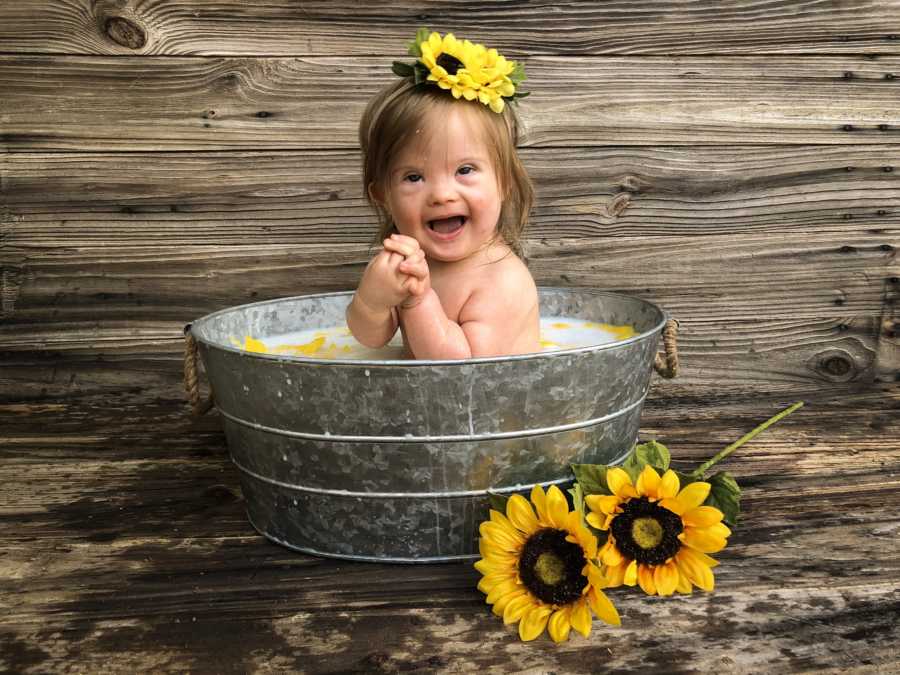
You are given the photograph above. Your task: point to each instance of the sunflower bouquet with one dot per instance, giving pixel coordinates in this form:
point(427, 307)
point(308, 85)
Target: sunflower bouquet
point(546, 565)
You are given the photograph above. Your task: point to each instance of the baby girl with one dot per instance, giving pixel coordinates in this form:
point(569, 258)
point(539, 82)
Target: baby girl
point(441, 169)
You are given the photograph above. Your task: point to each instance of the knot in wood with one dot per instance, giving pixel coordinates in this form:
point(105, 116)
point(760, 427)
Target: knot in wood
point(835, 365)
point(125, 33)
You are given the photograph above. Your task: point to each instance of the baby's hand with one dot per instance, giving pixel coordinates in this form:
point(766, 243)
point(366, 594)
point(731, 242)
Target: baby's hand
point(414, 265)
point(383, 285)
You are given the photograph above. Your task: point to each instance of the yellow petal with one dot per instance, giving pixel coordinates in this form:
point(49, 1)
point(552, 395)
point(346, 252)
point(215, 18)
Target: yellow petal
point(719, 530)
point(497, 106)
point(580, 618)
point(620, 483)
point(500, 606)
point(596, 521)
point(603, 607)
point(645, 579)
point(648, 482)
point(502, 589)
point(702, 516)
point(491, 581)
point(520, 514)
point(694, 495)
point(665, 578)
point(492, 567)
point(615, 575)
point(501, 536)
point(673, 505)
point(517, 608)
point(605, 504)
point(595, 576)
point(695, 568)
point(435, 42)
point(557, 507)
point(534, 622)
point(539, 499)
point(668, 485)
point(631, 573)
point(559, 625)
point(684, 584)
point(611, 555)
point(702, 540)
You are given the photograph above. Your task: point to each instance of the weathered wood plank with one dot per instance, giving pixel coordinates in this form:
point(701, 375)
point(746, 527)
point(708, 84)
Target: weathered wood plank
point(754, 275)
point(146, 103)
point(286, 28)
point(146, 199)
point(135, 564)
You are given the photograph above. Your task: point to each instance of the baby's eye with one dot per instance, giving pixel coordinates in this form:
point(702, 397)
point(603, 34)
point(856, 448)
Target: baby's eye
point(412, 177)
point(466, 170)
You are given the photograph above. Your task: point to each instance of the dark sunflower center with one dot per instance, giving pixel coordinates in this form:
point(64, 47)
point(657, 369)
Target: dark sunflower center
point(647, 532)
point(550, 567)
point(449, 63)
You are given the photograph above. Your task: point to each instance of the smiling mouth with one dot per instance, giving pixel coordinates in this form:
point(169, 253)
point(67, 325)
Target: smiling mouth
point(447, 225)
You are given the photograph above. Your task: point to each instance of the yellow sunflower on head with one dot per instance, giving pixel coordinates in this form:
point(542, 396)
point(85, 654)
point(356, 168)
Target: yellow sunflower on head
point(539, 570)
point(466, 70)
point(659, 533)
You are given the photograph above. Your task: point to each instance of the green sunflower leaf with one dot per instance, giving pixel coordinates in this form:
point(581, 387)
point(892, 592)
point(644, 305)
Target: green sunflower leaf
point(421, 72)
point(498, 502)
point(652, 453)
point(402, 69)
point(592, 478)
point(725, 495)
point(518, 73)
point(421, 36)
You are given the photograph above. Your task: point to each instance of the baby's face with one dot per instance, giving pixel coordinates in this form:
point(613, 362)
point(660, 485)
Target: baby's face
point(443, 189)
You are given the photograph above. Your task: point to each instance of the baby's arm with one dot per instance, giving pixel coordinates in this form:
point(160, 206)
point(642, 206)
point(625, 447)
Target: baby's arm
point(498, 319)
point(372, 315)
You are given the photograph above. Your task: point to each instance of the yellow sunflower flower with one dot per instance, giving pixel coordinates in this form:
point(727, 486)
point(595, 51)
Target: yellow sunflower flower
point(468, 70)
point(539, 567)
point(659, 534)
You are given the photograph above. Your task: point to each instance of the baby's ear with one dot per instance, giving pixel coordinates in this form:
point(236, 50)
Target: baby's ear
point(376, 194)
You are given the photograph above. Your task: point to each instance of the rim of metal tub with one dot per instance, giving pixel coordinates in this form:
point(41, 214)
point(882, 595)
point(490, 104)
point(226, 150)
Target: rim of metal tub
point(415, 363)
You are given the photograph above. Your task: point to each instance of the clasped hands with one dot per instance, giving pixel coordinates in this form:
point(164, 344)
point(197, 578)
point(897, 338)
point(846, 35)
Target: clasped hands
point(396, 277)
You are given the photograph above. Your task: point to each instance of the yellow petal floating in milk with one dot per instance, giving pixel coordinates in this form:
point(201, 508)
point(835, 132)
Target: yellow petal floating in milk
point(337, 342)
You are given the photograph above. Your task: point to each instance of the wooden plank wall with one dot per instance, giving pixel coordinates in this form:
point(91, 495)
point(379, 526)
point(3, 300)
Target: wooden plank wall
point(731, 162)
point(736, 162)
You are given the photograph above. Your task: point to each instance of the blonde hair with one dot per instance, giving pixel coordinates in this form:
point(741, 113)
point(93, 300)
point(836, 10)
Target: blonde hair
point(391, 120)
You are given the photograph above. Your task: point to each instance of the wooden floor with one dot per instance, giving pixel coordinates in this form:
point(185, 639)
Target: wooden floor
point(124, 547)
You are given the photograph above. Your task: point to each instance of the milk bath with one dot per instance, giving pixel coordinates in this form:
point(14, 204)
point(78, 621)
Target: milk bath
point(557, 332)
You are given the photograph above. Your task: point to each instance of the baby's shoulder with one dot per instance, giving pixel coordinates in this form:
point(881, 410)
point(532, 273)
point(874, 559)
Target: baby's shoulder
point(508, 274)
point(503, 291)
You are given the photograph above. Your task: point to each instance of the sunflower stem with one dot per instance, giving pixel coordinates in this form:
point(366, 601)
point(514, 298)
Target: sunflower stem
point(706, 466)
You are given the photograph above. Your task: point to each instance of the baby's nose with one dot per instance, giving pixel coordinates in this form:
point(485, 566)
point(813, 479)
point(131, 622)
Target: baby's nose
point(442, 190)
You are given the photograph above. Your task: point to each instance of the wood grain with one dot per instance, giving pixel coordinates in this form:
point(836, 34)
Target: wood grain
point(280, 27)
point(76, 103)
point(141, 561)
point(749, 276)
point(224, 198)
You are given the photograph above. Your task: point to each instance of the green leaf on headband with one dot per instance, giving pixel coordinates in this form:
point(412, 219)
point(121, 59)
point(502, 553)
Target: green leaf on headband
point(518, 73)
point(421, 72)
point(421, 36)
point(402, 69)
point(519, 95)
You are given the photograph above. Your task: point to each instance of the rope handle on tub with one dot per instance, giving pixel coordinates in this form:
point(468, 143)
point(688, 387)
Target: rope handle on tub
point(667, 366)
point(191, 379)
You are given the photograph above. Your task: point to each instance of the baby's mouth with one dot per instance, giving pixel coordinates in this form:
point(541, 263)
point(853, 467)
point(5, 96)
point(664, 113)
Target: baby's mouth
point(447, 225)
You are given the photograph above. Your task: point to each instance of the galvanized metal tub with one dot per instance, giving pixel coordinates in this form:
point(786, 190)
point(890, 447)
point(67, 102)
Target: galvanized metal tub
point(392, 461)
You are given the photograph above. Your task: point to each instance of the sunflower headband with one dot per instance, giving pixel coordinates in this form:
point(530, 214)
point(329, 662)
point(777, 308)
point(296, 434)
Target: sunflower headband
point(467, 70)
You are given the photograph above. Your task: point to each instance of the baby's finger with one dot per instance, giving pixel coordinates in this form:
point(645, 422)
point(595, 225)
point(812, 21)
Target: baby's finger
point(418, 270)
point(402, 247)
